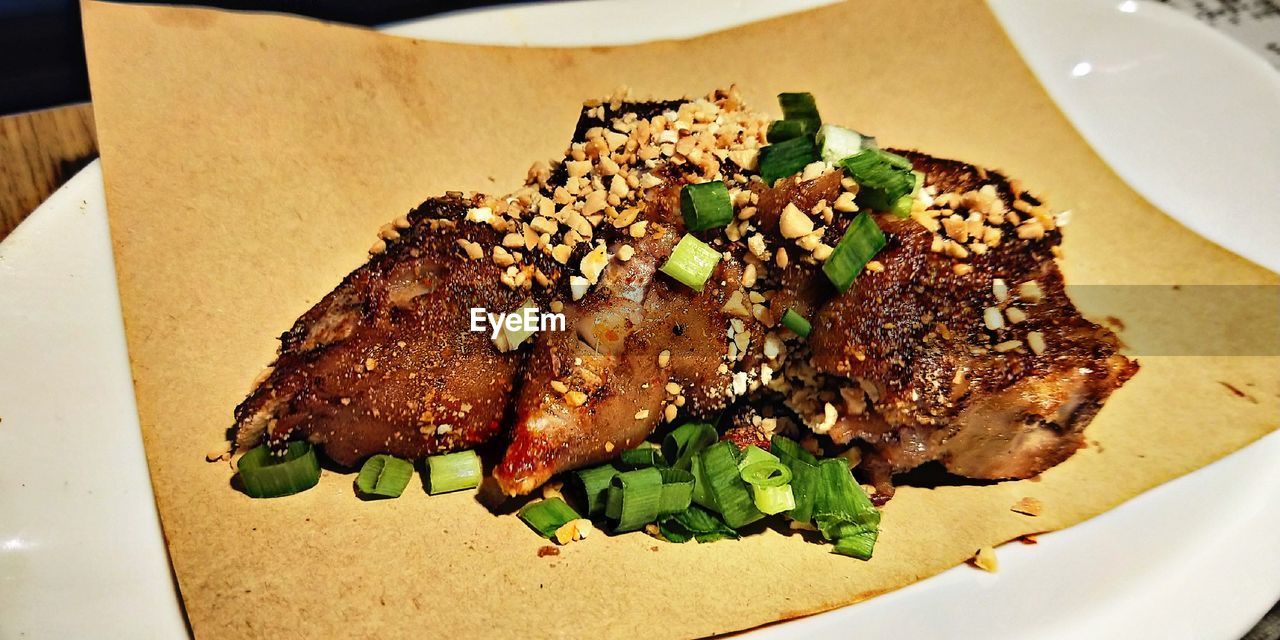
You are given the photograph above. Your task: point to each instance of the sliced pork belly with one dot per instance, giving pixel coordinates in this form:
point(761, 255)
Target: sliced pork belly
point(387, 363)
point(644, 348)
point(964, 347)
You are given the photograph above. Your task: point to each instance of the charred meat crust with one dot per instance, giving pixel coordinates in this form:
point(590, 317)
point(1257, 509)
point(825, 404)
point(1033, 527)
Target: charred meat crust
point(386, 362)
point(914, 335)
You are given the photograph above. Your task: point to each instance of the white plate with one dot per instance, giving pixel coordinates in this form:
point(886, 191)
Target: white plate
point(80, 548)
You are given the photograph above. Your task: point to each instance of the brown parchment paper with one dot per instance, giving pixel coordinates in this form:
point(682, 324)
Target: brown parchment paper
point(249, 160)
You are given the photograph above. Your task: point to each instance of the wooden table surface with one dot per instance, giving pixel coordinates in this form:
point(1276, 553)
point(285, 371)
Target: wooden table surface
point(39, 151)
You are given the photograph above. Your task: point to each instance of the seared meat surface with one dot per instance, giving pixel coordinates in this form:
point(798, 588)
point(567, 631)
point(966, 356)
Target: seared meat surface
point(957, 344)
point(386, 362)
point(987, 368)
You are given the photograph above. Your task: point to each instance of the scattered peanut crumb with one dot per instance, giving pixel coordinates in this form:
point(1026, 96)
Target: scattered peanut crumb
point(221, 451)
point(1028, 506)
point(985, 559)
point(574, 530)
point(1035, 340)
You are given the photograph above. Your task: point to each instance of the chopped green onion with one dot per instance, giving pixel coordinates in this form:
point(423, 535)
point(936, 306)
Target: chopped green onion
point(859, 545)
point(804, 488)
point(766, 473)
point(771, 500)
point(613, 502)
point(801, 107)
point(724, 486)
point(843, 512)
point(804, 475)
point(786, 158)
point(677, 491)
point(686, 440)
point(594, 486)
point(882, 177)
point(454, 471)
point(902, 208)
point(860, 243)
point(785, 448)
point(837, 143)
point(692, 262)
point(796, 323)
point(696, 523)
point(635, 498)
point(780, 130)
point(706, 205)
point(546, 516)
point(701, 495)
point(267, 476)
point(753, 454)
point(384, 475)
point(641, 457)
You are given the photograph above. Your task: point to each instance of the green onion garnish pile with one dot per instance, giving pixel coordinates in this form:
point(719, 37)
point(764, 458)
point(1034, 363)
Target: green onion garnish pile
point(698, 488)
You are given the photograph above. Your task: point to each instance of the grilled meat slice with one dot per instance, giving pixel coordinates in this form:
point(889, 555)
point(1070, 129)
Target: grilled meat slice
point(987, 368)
point(645, 347)
point(636, 332)
point(387, 363)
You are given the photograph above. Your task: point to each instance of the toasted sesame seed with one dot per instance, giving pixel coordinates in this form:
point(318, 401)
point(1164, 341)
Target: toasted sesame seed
point(575, 398)
point(1015, 315)
point(669, 414)
point(664, 358)
point(642, 414)
point(559, 386)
